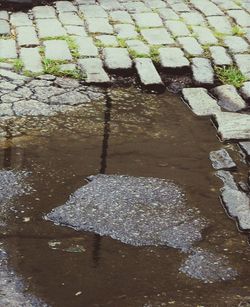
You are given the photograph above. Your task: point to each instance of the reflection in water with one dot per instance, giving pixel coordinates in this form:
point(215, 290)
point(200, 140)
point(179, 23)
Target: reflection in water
point(7, 158)
point(103, 167)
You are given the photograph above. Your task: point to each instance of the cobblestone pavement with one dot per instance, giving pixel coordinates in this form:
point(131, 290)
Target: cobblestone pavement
point(89, 39)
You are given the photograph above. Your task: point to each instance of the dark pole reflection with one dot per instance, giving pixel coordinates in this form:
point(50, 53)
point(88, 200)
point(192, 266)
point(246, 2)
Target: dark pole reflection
point(103, 168)
point(7, 158)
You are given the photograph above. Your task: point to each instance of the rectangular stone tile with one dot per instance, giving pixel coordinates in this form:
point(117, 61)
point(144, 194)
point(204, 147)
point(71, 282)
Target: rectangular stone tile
point(49, 28)
point(76, 30)
point(65, 6)
point(70, 19)
point(44, 12)
point(245, 92)
point(136, 7)
point(31, 59)
point(243, 63)
point(126, 31)
point(159, 36)
point(93, 67)
point(190, 45)
point(108, 40)
point(4, 15)
point(220, 24)
point(227, 5)
point(8, 49)
point(180, 7)
point(26, 36)
point(4, 27)
point(204, 35)
point(86, 46)
point(20, 19)
point(200, 102)
point(121, 17)
point(93, 11)
point(99, 25)
point(57, 50)
point(241, 17)
point(110, 5)
point(177, 28)
point(207, 7)
point(193, 18)
point(172, 57)
point(168, 14)
point(202, 71)
point(220, 55)
point(117, 59)
point(155, 4)
point(144, 20)
point(138, 47)
point(236, 44)
point(147, 73)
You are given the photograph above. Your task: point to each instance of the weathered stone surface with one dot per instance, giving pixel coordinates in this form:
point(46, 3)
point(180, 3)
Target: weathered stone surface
point(93, 11)
point(6, 109)
point(155, 4)
point(159, 36)
point(172, 57)
point(168, 14)
point(237, 204)
point(76, 30)
point(202, 71)
point(57, 50)
point(44, 12)
point(245, 90)
point(144, 20)
point(233, 125)
point(138, 47)
point(246, 148)
point(180, 7)
point(148, 74)
point(4, 85)
point(120, 207)
point(8, 49)
point(20, 19)
point(228, 97)
point(207, 7)
point(32, 108)
point(241, 17)
point(243, 63)
point(177, 28)
point(121, 17)
point(49, 28)
point(31, 59)
point(136, 7)
point(193, 18)
point(221, 160)
point(65, 6)
point(221, 24)
point(44, 93)
point(71, 19)
point(67, 67)
point(110, 5)
point(12, 75)
point(227, 179)
point(204, 35)
point(93, 68)
point(4, 15)
point(70, 98)
point(208, 267)
point(220, 55)
point(4, 27)
point(125, 31)
point(117, 59)
point(86, 46)
point(108, 40)
point(236, 44)
point(65, 82)
point(200, 102)
point(99, 25)
point(190, 45)
point(26, 36)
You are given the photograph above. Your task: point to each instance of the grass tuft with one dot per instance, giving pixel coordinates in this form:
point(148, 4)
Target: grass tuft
point(18, 65)
point(230, 75)
point(236, 30)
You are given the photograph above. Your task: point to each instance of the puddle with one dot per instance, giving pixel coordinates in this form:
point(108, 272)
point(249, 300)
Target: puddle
point(132, 134)
point(23, 5)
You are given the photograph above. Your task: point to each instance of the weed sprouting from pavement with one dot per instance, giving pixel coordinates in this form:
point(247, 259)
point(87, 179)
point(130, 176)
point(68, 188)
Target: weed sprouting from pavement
point(230, 75)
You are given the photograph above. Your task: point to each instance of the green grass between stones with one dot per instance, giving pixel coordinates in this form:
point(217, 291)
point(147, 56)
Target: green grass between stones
point(230, 75)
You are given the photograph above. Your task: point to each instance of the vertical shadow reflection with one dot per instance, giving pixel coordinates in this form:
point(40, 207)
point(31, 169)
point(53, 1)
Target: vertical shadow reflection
point(103, 168)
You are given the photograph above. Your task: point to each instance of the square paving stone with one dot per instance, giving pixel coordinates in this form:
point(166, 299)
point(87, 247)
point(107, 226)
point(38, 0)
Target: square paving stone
point(31, 59)
point(202, 71)
point(93, 11)
point(204, 35)
point(26, 36)
point(57, 50)
point(207, 7)
point(220, 56)
point(117, 59)
point(190, 45)
point(50, 28)
point(241, 17)
point(4, 15)
point(65, 6)
point(147, 73)
point(243, 63)
point(20, 19)
point(177, 28)
point(99, 25)
point(236, 44)
point(121, 17)
point(144, 20)
point(245, 92)
point(93, 67)
point(4, 27)
point(86, 46)
point(8, 49)
point(159, 36)
point(76, 30)
point(180, 7)
point(70, 18)
point(138, 47)
point(136, 7)
point(108, 40)
point(155, 4)
point(193, 18)
point(221, 24)
point(44, 12)
point(168, 14)
point(126, 31)
point(110, 5)
point(171, 57)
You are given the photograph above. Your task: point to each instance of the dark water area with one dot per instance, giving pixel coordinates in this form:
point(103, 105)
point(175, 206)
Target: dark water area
point(22, 5)
point(132, 134)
